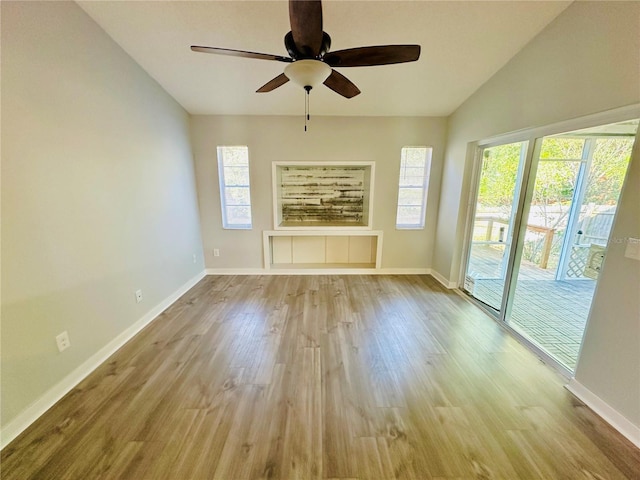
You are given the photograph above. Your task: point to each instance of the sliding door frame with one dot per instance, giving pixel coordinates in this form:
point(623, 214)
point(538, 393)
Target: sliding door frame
point(514, 217)
point(529, 171)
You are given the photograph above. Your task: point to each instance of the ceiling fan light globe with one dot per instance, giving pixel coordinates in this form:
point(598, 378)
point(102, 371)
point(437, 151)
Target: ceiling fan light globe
point(307, 73)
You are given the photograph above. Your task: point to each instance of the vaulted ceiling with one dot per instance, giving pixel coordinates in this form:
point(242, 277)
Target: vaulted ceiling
point(463, 44)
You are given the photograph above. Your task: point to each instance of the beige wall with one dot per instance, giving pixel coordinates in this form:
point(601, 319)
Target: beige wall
point(270, 139)
point(98, 195)
point(586, 61)
point(609, 364)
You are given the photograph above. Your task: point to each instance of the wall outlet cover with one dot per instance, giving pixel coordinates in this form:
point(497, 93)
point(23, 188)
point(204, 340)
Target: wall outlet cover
point(63, 341)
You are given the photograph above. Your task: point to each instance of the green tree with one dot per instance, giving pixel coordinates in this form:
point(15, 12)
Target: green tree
point(498, 176)
point(608, 169)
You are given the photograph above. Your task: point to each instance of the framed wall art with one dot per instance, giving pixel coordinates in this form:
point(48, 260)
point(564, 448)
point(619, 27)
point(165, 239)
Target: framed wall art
point(322, 195)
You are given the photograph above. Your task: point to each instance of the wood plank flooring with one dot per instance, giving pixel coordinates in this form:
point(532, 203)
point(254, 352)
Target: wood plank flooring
point(321, 377)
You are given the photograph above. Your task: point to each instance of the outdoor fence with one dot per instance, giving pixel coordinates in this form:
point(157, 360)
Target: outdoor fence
point(545, 233)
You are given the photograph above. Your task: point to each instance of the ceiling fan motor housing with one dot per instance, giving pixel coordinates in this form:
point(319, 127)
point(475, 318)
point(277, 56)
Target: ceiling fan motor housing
point(300, 55)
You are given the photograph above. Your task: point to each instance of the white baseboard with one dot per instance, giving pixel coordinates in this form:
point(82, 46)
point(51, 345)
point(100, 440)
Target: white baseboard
point(318, 271)
point(16, 426)
point(604, 410)
point(446, 283)
point(403, 271)
point(240, 271)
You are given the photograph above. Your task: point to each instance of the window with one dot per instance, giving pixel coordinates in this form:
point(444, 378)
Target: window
point(235, 194)
point(415, 163)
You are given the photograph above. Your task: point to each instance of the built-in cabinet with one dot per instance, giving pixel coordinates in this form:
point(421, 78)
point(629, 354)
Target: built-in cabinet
point(317, 249)
point(322, 217)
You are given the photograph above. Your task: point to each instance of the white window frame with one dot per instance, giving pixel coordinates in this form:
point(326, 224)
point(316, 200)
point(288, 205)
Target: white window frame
point(226, 224)
point(424, 186)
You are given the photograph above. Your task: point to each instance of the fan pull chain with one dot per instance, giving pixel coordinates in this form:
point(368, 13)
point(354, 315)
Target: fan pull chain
point(307, 117)
point(306, 110)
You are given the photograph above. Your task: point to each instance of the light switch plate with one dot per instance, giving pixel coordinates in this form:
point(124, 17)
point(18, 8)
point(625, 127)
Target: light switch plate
point(633, 248)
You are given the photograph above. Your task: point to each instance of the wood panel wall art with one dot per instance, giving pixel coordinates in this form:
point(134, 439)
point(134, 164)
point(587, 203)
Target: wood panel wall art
point(317, 195)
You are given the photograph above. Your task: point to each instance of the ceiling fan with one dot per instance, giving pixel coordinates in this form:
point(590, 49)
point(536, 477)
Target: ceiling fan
point(311, 62)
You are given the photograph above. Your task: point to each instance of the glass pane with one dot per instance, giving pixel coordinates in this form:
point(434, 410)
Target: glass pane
point(412, 176)
point(414, 156)
point(409, 216)
point(410, 196)
point(234, 155)
point(239, 215)
point(498, 188)
point(236, 176)
point(569, 148)
point(237, 196)
point(549, 212)
point(608, 168)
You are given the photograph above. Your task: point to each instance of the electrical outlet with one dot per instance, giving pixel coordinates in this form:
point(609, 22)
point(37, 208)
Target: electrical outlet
point(194, 258)
point(138, 296)
point(63, 341)
point(216, 252)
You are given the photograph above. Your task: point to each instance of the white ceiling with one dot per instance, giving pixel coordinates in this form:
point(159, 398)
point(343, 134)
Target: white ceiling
point(463, 44)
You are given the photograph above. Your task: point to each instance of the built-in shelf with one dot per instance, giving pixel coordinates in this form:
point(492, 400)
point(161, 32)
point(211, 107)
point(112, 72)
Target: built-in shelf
point(322, 195)
point(316, 249)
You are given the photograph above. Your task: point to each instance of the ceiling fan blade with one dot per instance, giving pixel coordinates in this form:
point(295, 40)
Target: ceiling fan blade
point(273, 84)
point(370, 56)
point(240, 53)
point(306, 26)
point(342, 85)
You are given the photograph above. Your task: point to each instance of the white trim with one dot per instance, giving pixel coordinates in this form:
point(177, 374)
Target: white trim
point(615, 115)
point(403, 271)
point(322, 233)
point(239, 271)
point(319, 271)
point(604, 410)
point(445, 282)
point(16, 426)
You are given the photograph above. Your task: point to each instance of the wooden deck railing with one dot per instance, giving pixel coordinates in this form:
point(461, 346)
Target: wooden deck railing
point(547, 231)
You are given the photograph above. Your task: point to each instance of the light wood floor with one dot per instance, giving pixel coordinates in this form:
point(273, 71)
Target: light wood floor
point(364, 377)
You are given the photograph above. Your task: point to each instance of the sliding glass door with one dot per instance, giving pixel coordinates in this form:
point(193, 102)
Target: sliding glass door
point(540, 230)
